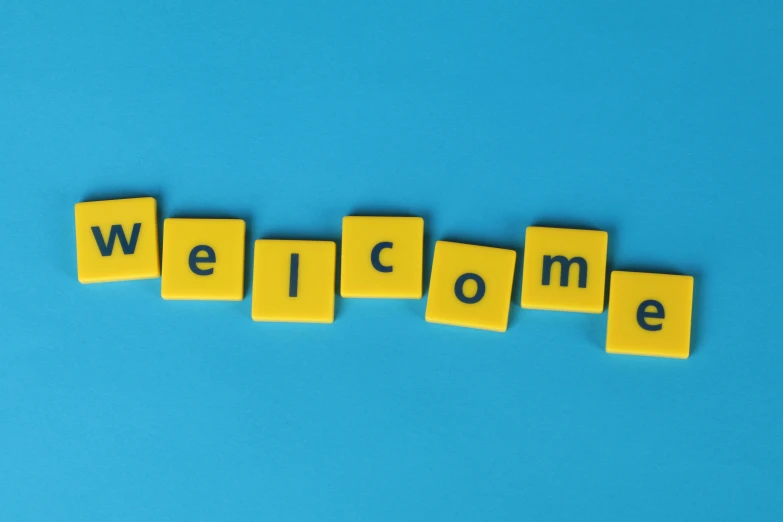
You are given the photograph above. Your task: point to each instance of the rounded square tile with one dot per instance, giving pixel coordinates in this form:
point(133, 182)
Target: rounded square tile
point(293, 281)
point(117, 240)
point(471, 286)
point(203, 259)
point(382, 257)
point(650, 314)
point(564, 269)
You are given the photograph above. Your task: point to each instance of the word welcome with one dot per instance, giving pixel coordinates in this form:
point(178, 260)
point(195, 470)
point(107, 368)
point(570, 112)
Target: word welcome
point(383, 257)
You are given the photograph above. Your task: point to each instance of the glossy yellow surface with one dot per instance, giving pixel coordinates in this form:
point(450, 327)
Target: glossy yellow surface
point(627, 291)
point(226, 240)
point(141, 261)
point(495, 266)
point(403, 259)
point(315, 285)
point(590, 245)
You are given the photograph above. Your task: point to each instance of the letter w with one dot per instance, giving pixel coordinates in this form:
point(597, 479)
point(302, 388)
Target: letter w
point(565, 268)
point(116, 232)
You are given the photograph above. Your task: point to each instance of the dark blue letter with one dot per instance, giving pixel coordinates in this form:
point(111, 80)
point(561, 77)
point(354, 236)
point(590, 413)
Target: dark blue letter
point(194, 260)
point(375, 257)
point(565, 267)
point(116, 231)
point(293, 281)
point(480, 288)
point(642, 315)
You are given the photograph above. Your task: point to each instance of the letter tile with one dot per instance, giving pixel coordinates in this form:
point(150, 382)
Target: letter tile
point(382, 257)
point(293, 281)
point(564, 269)
point(470, 286)
point(117, 240)
point(650, 314)
point(203, 259)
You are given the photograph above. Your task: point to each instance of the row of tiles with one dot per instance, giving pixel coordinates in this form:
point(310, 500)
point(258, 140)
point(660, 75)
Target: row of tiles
point(382, 257)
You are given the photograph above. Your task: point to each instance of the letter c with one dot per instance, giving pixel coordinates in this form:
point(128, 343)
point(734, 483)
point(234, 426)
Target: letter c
point(642, 315)
point(460, 284)
point(194, 260)
point(375, 257)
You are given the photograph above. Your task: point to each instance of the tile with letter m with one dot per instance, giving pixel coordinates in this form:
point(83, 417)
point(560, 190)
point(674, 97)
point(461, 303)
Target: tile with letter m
point(564, 269)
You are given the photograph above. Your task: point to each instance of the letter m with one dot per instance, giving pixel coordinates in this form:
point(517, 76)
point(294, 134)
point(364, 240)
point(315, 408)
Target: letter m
point(565, 268)
point(116, 232)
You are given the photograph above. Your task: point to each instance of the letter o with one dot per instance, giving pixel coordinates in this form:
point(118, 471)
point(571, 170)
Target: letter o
point(460, 284)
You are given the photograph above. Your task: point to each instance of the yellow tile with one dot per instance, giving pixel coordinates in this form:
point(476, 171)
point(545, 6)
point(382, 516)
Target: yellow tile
point(650, 314)
point(203, 259)
point(293, 281)
point(116, 240)
point(382, 257)
point(564, 269)
point(471, 286)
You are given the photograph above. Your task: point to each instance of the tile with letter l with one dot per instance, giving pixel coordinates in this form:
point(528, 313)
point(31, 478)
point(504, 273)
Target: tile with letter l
point(203, 259)
point(650, 314)
point(564, 269)
point(470, 286)
point(293, 281)
point(117, 240)
point(382, 257)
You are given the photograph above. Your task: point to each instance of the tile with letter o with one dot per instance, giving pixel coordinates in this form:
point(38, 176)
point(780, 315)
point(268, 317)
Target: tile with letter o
point(650, 314)
point(293, 281)
point(382, 257)
point(564, 269)
point(203, 259)
point(470, 286)
point(117, 240)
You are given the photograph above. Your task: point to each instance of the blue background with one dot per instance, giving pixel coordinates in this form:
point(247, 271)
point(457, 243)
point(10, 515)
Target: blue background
point(657, 121)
